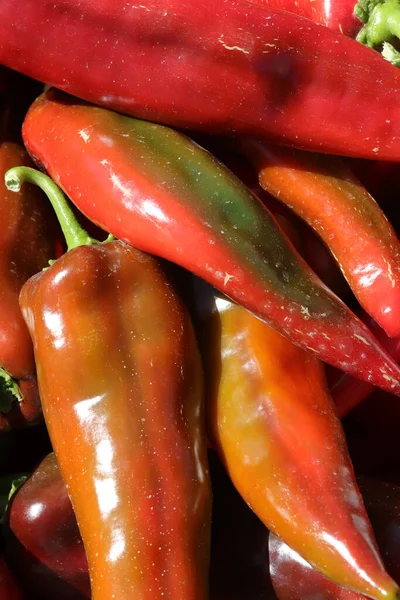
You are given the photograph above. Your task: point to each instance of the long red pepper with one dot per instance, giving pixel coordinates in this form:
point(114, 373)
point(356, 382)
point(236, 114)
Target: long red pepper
point(233, 68)
point(273, 423)
point(324, 192)
point(156, 189)
point(119, 373)
point(42, 540)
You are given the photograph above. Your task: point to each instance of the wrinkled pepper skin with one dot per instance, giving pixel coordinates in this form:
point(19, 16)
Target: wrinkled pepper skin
point(294, 579)
point(273, 423)
point(119, 374)
point(226, 67)
point(9, 588)
point(43, 542)
point(324, 192)
point(159, 191)
point(28, 241)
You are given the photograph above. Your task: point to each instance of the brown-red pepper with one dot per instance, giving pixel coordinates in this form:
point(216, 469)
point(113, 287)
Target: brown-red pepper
point(119, 373)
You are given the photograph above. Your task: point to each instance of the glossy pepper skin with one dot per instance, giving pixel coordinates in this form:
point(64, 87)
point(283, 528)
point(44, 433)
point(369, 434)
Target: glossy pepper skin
point(226, 67)
point(325, 193)
point(294, 579)
point(9, 588)
point(273, 423)
point(28, 241)
point(119, 372)
point(43, 542)
point(159, 191)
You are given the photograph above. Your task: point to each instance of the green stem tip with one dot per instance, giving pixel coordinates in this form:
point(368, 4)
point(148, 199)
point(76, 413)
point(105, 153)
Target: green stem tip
point(381, 20)
point(73, 232)
point(9, 391)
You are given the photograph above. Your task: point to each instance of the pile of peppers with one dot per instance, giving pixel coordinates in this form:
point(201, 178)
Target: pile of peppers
point(200, 300)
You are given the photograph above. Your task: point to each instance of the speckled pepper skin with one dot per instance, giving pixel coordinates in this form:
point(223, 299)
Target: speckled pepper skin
point(226, 67)
point(119, 374)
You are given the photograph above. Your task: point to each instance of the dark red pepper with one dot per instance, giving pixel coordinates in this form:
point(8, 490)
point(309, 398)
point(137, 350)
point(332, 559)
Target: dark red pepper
point(159, 191)
point(225, 67)
point(43, 542)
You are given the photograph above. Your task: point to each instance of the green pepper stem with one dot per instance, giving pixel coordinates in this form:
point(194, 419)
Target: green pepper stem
point(73, 232)
point(9, 391)
point(381, 21)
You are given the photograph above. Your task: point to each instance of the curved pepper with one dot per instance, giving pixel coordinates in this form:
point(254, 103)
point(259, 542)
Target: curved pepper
point(9, 588)
point(43, 542)
point(324, 192)
point(274, 425)
point(156, 189)
point(119, 374)
point(28, 241)
point(294, 579)
point(226, 67)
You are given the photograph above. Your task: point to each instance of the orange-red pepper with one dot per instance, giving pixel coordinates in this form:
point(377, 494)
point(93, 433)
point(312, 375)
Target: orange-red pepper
point(323, 191)
point(274, 425)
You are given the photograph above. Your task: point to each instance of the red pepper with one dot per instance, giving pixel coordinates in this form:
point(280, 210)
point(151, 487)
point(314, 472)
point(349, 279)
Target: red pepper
point(229, 68)
point(43, 543)
point(119, 374)
point(28, 241)
point(274, 425)
point(324, 192)
point(9, 588)
point(156, 189)
point(294, 579)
